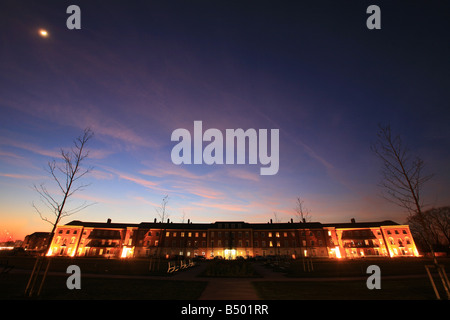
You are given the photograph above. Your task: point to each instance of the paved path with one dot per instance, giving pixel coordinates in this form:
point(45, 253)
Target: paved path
point(228, 288)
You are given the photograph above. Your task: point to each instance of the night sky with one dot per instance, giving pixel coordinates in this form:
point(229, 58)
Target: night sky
point(138, 70)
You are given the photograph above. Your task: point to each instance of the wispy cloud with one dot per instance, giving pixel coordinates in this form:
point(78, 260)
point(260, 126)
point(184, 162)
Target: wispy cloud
point(223, 206)
point(243, 174)
point(29, 147)
point(129, 177)
point(19, 176)
point(171, 170)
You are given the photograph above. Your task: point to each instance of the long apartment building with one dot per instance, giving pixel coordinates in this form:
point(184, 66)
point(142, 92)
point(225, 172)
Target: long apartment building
point(232, 239)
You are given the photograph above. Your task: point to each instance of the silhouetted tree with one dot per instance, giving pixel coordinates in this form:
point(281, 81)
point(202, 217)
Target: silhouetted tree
point(403, 179)
point(164, 219)
point(437, 222)
point(402, 183)
point(304, 215)
point(66, 174)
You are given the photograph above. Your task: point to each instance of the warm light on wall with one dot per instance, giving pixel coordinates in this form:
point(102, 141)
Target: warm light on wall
point(126, 252)
point(230, 253)
point(338, 252)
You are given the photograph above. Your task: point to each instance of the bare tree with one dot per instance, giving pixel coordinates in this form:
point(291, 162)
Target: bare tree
point(303, 214)
point(403, 177)
point(403, 182)
point(161, 211)
point(163, 217)
point(437, 222)
point(183, 217)
point(276, 218)
point(66, 174)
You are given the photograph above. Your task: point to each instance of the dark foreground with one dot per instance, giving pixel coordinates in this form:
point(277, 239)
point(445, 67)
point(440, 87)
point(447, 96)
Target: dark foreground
point(330, 280)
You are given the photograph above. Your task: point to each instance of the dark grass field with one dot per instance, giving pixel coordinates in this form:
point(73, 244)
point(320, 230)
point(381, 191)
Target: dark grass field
point(391, 289)
point(107, 280)
point(12, 286)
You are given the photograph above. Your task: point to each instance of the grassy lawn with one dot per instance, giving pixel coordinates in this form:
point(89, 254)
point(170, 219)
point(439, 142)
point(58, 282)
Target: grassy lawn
point(304, 285)
point(12, 286)
point(391, 289)
point(358, 268)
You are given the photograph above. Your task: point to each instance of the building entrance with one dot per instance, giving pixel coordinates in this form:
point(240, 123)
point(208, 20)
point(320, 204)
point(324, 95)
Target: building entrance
point(230, 254)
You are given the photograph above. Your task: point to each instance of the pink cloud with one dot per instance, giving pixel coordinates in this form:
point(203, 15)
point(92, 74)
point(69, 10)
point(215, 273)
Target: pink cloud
point(243, 174)
point(222, 206)
point(172, 170)
point(30, 147)
point(18, 176)
point(139, 181)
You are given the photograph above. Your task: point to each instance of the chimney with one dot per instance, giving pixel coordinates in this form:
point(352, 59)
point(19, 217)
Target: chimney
point(108, 221)
point(270, 220)
point(189, 221)
point(304, 220)
point(292, 220)
point(154, 221)
point(353, 220)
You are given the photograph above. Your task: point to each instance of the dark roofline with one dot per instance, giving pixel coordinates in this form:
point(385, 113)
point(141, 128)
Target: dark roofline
point(173, 225)
point(39, 233)
point(361, 224)
point(89, 224)
point(219, 225)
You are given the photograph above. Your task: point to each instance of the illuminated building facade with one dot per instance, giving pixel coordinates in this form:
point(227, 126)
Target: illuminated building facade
point(232, 239)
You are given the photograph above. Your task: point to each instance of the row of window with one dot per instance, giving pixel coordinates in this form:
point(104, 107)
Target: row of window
point(240, 234)
point(182, 234)
point(232, 243)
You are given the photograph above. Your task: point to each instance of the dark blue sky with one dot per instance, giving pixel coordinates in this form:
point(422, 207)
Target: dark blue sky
point(137, 70)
